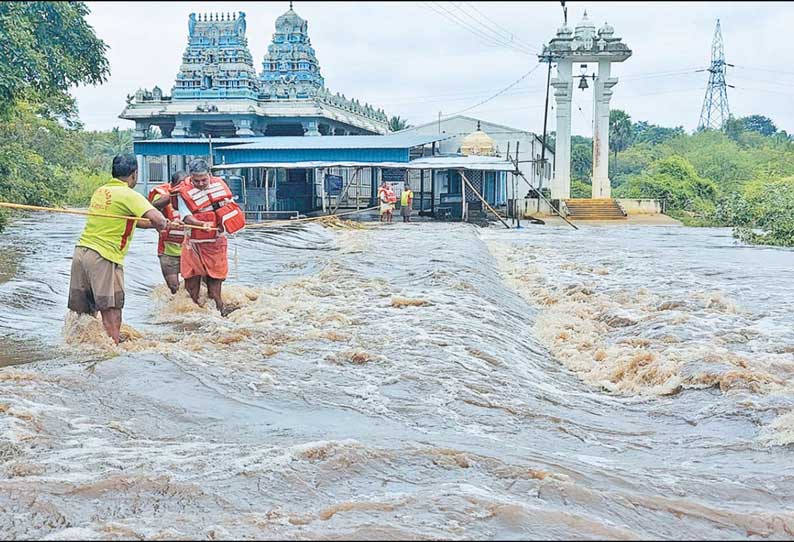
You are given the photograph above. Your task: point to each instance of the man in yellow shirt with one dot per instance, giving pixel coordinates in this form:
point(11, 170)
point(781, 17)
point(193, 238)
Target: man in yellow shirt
point(169, 247)
point(97, 279)
point(406, 203)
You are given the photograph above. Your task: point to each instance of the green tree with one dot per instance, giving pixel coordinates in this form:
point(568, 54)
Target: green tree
point(396, 124)
point(733, 128)
point(759, 124)
point(644, 132)
point(117, 142)
point(620, 131)
point(47, 47)
point(581, 161)
point(763, 213)
point(674, 180)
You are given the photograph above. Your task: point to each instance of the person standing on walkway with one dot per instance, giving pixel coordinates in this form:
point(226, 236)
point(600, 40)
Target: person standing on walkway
point(406, 203)
point(169, 246)
point(207, 201)
point(387, 200)
point(97, 274)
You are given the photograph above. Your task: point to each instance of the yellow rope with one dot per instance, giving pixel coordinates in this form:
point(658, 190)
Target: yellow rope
point(273, 224)
point(277, 223)
point(85, 213)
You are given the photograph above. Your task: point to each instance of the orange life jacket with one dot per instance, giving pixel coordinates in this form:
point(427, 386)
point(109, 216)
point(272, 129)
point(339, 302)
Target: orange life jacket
point(215, 205)
point(171, 212)
point(391, 197)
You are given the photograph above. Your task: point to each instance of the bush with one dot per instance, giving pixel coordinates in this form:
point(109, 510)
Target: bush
point(580, 189)
point(763, 214)
point(82, 186)
point(674, 180)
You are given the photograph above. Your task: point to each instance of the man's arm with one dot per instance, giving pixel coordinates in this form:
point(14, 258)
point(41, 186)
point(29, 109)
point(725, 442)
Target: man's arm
point(160, 202)
point(187, 217)
point(156, 219)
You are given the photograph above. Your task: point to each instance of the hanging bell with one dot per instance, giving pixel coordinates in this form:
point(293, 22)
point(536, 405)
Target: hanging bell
point(583, 82)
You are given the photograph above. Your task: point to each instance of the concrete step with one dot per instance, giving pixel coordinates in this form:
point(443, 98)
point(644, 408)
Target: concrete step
point(594, 209)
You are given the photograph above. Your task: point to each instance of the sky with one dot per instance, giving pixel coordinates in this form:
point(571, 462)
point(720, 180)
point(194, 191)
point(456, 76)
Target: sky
point(416, 59)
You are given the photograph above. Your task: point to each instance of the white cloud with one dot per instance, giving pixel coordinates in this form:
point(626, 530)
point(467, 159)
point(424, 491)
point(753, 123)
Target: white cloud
point(414, 61)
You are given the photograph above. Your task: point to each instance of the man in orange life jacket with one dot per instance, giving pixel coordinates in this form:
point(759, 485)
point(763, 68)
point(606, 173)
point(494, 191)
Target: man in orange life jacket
point(206, 201)
point(169, 246)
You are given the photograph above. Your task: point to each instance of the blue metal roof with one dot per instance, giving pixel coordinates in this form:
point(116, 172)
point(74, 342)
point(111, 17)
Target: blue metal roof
point(397, 141)
point(198, 140)
point(231, 155)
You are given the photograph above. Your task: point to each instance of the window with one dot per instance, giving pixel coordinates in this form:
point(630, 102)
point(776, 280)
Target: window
point(442, 178)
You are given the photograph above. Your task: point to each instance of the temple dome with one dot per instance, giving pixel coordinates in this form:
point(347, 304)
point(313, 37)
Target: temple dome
point(606, 31)
point(290, 19)
point(564, 31)
point(478, 143)
point(585, 28)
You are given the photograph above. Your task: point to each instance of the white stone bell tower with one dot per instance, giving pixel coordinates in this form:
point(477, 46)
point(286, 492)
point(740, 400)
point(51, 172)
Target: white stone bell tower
point(583, 44)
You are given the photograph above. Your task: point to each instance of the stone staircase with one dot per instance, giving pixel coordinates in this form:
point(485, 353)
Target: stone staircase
point(594, 209)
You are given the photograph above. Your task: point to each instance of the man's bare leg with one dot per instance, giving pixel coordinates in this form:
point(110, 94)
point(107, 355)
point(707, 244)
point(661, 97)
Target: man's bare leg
point(193, 287)
point(111, 321)
point(214, 293)
point(172, 281)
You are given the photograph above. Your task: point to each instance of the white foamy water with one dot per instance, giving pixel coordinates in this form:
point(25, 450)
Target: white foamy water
point(422, 380)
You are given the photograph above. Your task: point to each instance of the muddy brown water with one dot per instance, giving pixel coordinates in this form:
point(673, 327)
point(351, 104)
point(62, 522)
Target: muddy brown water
point(409, 381)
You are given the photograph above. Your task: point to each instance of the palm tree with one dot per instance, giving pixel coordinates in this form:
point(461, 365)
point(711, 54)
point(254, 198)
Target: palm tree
point(620, 132)
point(116, 142)
point(396, 124)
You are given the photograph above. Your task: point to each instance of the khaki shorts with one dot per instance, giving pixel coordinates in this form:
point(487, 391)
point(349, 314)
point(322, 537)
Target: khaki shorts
point(169, 264)
point(96, 284)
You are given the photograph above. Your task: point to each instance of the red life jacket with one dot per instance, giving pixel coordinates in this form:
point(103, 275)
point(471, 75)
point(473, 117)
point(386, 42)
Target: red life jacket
point(391, 197)
point(215, 205)
point(171, 212)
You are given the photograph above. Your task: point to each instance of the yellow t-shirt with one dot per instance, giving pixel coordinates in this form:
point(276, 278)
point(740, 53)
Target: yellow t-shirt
point(171, 249)
point(111, 237)
point(405, 195)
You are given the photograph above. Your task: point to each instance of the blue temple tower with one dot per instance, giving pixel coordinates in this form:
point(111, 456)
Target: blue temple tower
point(217, 62)
point(290, 67)
point(218, 94)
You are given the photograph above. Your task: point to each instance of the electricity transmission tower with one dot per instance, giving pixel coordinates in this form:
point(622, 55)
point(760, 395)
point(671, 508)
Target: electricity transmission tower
point(715, 105)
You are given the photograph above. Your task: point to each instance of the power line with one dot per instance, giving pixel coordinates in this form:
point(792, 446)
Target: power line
point(765, 81)
point(764, 90)
point(775, 70)
point(512, 38)
point(468, 29)
point(495, 35)
point(508, 87)
point(658, 75)
point(489, 40)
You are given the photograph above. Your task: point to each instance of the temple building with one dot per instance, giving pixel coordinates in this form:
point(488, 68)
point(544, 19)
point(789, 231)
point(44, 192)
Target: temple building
point(218, 93)
point(253, 130)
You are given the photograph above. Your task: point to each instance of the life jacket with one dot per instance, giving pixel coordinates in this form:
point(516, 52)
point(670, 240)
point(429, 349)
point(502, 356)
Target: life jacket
point(215, 205)
point(171, 212)
point(391, 197)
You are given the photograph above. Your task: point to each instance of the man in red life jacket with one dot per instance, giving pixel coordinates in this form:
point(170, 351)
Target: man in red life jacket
point(169, 247)
point(206, 201)
point(387, 200)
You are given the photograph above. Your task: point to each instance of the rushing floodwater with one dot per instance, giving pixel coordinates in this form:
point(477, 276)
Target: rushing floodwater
point(410, 381)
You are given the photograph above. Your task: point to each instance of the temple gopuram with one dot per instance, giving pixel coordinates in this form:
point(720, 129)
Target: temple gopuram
point(218, 94)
